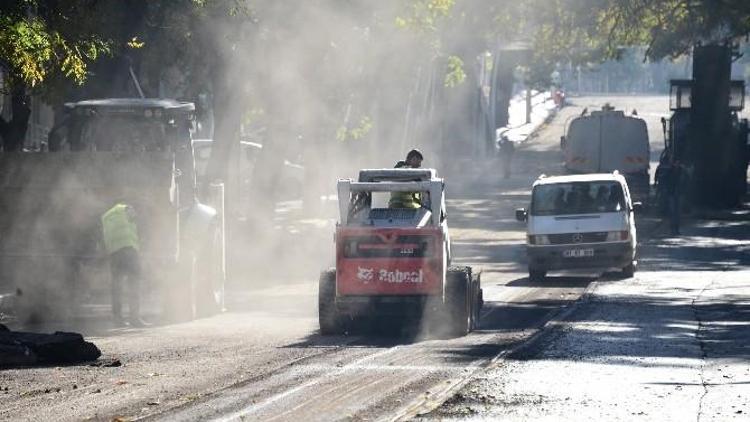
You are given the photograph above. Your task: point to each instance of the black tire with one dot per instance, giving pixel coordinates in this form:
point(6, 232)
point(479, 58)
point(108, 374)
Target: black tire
point(328, 316)
point(537, 276)
point(209, 297)
point(629, 270)
point(459, 301)
point(477, 301)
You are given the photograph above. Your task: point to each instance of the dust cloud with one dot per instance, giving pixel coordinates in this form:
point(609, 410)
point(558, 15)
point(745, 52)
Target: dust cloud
point(334, 89)
point(326, 88)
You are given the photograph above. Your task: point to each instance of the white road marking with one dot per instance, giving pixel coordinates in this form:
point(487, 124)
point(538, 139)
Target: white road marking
point(273, 399)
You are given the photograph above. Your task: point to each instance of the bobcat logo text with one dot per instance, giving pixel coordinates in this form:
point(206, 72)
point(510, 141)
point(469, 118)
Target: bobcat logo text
point(367, 275)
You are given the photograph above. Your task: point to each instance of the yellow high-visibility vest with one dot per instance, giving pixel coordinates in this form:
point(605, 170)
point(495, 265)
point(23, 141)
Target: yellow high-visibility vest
point(119, 229)
point(405, 200)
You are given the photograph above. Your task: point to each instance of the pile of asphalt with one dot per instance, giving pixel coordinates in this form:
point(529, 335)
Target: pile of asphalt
point(19, 348)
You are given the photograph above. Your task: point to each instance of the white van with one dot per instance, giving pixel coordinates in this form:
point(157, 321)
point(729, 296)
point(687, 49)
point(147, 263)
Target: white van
point(580, 221)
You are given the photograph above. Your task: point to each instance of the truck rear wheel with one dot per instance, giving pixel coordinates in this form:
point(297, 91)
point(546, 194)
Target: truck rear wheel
point(459, 301)
point(537, 276)
point(328, 316)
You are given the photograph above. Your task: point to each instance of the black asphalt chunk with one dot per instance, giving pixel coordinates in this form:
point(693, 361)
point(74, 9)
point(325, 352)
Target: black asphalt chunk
point(25, 349)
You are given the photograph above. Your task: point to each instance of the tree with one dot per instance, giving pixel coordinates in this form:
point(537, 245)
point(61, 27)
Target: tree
point(595, 29)
point(38, 46)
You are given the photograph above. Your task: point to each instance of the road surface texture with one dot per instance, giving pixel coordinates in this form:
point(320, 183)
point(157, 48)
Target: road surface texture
point(265, 360)
point(670, 344)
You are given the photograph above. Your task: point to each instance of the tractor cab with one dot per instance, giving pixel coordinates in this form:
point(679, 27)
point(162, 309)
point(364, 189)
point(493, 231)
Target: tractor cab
point(124, 124)
point(132, 129)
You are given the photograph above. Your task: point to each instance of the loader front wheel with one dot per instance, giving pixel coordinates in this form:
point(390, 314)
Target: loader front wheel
point(330, 320)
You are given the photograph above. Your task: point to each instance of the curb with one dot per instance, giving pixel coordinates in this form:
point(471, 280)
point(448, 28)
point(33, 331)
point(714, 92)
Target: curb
point(427, 404)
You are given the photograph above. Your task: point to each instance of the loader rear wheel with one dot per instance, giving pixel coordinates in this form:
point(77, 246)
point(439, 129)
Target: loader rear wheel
point(629, 270)
point(477, 300)
point(459, 300)
point(330, 320)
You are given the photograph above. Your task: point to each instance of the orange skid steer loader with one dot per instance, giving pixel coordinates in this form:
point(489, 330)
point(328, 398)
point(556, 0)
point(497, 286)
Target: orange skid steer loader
point(395, 262)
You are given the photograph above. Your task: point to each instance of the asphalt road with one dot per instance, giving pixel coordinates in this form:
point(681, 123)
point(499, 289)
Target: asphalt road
point(264, 359)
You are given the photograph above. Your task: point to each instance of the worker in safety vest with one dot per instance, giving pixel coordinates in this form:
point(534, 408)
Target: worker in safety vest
point(408, 199)
point(121, 242)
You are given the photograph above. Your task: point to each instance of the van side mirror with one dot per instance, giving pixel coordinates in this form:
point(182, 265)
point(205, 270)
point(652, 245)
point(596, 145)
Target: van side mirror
point(521, 214)
point(637, 206)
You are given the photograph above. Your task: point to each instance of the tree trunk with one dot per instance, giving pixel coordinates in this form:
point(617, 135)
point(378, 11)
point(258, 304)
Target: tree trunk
point(223, 162)
point(13, 132)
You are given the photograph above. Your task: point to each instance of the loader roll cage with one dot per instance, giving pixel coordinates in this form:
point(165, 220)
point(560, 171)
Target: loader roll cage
point(359, 195)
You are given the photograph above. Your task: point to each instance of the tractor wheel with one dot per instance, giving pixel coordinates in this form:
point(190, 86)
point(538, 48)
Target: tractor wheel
point(459, 301)
point(179, 292)
point(328, 316)
point(209, 297)
point(536, 276)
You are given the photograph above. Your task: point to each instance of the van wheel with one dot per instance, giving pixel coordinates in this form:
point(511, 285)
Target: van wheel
point(629, 270)
point(536, 276)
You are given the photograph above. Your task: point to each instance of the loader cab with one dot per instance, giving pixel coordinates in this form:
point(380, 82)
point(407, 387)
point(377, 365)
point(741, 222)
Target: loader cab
point(368, 199)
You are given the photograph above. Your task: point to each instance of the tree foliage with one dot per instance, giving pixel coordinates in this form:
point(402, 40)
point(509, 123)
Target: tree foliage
point(40, 39)
point(587, 29)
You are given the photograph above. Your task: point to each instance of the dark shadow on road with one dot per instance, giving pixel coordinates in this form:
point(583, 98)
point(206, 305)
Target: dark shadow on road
point(629, 331)
point(703, 246)
point(552, 281)
point(495, 317)
point(513, 316)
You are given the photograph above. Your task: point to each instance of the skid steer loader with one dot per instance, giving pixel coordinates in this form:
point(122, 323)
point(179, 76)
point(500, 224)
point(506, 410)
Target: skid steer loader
point(395, 262)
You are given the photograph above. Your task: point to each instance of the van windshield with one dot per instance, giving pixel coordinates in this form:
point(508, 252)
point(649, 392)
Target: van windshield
point(577, 198)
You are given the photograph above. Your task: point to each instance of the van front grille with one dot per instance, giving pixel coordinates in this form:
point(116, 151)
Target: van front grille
point(573, 238)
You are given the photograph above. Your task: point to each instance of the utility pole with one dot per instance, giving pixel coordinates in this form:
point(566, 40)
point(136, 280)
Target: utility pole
point(528, 105)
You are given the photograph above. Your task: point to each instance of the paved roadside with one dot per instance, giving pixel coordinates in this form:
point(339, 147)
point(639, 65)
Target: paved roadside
point(669, 344)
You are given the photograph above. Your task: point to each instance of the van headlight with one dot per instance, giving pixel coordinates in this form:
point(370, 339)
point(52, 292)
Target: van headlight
point(618, 236)
point(539, 239)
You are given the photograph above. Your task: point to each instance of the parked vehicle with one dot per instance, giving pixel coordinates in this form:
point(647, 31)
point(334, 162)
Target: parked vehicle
point(606, 141)
point(580, 221)
point(395, 262)
point(292, 174)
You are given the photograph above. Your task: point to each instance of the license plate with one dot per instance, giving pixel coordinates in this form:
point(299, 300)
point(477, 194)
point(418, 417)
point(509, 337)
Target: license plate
point(578, 253)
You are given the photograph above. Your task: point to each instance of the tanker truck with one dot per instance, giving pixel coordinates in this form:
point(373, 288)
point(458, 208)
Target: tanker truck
point(608, 140)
